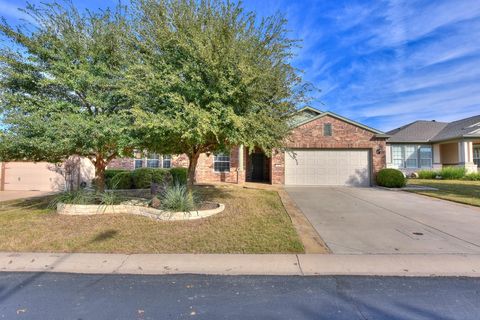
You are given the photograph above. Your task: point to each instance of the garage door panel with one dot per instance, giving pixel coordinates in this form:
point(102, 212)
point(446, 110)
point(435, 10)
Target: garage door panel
point(32, 176)
point(327, 167)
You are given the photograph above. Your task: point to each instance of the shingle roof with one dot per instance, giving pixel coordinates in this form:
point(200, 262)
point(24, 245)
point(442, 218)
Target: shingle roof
point(460, 128)
point(433, 131)
point(418, 131)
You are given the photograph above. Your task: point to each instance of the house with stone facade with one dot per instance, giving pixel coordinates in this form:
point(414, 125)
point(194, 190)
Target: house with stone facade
point(431, 145)
point(323, 149)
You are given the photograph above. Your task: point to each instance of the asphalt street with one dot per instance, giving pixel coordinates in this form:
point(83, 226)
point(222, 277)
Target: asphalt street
point(48, 296)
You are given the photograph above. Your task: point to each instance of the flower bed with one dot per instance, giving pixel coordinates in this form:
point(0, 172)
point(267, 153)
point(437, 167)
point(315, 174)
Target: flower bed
point(91, 209)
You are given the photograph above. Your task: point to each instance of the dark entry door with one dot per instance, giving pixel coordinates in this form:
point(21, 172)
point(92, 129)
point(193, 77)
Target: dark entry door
point(258, 166)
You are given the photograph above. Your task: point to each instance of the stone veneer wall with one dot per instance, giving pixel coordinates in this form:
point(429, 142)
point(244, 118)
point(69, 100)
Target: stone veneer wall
point(344, 136)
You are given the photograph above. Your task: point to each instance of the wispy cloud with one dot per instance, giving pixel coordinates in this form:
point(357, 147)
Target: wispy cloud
point(387, 63)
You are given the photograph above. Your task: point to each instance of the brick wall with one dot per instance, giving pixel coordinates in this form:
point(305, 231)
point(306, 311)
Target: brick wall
point(344, 136)
point(204, 173)
point(121, 163)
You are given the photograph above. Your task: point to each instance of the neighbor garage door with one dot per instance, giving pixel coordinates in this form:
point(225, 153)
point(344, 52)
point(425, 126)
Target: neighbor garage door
point(32, 176)
point(327, 167)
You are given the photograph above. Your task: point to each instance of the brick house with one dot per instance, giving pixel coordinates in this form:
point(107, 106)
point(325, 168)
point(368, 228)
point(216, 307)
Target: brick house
point(323, 149)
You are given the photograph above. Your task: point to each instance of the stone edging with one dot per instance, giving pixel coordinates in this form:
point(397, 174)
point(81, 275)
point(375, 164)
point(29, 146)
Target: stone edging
point(91, 209)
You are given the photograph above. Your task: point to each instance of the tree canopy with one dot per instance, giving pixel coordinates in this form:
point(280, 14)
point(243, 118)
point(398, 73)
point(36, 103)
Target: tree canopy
point(169, 76)
point(62, 83)
point(211, 76)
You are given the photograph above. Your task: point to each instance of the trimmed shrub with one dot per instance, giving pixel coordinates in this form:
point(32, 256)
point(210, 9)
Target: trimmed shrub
point(144, 177)
point(472, 177)
point(121, 180)
point(110, 173)
point(178, 198)
point(391, 178)
point(179, 175)
point(452, 173)
point(427, 174)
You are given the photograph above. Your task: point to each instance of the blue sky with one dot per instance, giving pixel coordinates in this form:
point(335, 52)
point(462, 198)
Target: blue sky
point(382, 63)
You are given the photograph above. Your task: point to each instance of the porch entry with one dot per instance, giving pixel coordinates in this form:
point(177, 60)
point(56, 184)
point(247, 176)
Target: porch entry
point(258, 167)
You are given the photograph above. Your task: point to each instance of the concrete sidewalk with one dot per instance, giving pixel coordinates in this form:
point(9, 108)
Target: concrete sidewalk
point(244, 264)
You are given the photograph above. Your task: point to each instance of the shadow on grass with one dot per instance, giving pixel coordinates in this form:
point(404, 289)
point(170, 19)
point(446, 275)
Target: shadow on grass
point(39, 203)
point(105, 235)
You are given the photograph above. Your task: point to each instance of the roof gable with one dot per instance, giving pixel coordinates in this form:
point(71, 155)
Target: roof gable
point(302, 116)
point(334, 115)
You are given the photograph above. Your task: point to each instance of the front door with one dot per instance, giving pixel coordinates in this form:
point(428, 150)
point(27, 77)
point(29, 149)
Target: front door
point(258, 166)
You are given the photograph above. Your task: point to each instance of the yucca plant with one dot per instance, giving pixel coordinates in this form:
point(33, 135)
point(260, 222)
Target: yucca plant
point(178, 198)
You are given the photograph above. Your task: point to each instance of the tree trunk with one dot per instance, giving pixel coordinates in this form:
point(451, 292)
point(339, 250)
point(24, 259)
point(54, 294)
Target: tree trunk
point(100, 166)
point(192, 166)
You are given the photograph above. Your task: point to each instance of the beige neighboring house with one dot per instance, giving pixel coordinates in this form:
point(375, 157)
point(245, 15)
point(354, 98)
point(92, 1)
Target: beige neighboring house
point(431, 145)
point(44, 176)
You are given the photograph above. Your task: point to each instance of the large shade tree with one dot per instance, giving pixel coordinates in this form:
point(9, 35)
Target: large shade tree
point(61, 82)
point(211, 76)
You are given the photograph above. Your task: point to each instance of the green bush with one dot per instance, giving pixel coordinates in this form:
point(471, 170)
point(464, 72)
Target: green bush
point(427, 174)
point(179, 175)
point(391, 178)
point(121, 180)
point(452, 173)
point(144, 177)
point(178, 198)
point(110, 173)
point(472, 177)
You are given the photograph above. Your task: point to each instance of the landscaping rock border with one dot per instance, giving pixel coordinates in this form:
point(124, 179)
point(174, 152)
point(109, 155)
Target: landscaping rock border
point(91, 209)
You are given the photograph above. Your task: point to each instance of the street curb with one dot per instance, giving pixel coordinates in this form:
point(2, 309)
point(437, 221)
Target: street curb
point(456, 265)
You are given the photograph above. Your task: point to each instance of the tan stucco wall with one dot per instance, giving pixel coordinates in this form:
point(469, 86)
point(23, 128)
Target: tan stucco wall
point(449, 153)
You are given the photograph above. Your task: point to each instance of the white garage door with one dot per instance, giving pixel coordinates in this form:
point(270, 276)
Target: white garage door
point(327, 167)
point(32, 176)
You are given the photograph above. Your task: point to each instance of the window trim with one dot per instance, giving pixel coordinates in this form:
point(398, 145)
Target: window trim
point(395, 159)
point(221, 161)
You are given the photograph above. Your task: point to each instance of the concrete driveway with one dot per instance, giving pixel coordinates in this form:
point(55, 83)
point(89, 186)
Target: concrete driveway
point(371, 220)
point(14, 195)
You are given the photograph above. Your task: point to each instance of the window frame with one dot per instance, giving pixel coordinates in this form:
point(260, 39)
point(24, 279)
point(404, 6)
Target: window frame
point(476, 157)
point(420, 158)
point(223, 161)
point(327, 130)
point(399, 158)
point(145, 159)
point(167, 158)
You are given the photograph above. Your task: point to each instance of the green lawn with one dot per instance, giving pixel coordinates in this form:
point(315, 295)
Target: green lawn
point(254, 221)
point(467, 192)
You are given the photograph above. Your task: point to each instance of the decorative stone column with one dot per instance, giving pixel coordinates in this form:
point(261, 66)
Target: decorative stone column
point(437, 157)
point(465, 156)
point(241, 166)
